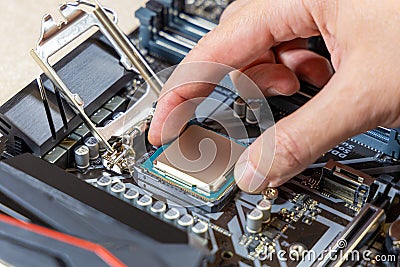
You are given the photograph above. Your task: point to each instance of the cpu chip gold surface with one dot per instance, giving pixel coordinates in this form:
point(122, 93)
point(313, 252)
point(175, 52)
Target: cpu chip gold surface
point(200, 158)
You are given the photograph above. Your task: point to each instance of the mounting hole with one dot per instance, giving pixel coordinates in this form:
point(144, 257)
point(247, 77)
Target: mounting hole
point(226, 254)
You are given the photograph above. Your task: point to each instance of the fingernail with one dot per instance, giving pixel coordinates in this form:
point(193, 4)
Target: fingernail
point(272, 92)
point(245, 173)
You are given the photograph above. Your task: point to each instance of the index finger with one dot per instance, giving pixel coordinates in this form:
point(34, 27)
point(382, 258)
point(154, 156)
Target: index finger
point(236, 42)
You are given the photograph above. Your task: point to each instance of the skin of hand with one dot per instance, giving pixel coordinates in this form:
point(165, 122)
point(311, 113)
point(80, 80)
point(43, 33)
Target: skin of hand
point(265, 40)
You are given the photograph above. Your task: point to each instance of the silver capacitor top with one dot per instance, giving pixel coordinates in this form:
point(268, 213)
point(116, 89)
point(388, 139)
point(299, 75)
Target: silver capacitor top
point(264, 205)
point(144, 202)
point(118, 189)
point(200, 228)
point(239, 108)
point(172, 214)
point(82, 157)
point(104, 183)
point(394, 237)
point(159, 207)
point(254, 221)
point(186, 220)
point(93, 145)
point(253, 113)
point(131, 195)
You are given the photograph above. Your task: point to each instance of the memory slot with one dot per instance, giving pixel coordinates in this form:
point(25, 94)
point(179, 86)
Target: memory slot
point(168, 34)
point(171, 16)
point(167, 50)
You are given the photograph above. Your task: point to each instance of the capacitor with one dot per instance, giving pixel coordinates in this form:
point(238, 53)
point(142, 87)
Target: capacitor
point(172, 215)
point(393, 238)
point(200, 229)
point(144, 202)
point(93, 145)
point(104, 183)
point(118, 189)
point(131, 195)
point(253, 113)
point(158, 208)
point(185, 221)
point(264, 205)
point(239, 108)
point(270, 193)
point(254, 221)
point(82, 157)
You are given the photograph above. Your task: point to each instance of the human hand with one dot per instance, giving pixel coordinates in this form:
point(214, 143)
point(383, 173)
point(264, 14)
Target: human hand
point(261, 38)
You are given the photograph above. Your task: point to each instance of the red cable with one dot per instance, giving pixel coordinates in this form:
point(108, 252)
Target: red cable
point(99, 250)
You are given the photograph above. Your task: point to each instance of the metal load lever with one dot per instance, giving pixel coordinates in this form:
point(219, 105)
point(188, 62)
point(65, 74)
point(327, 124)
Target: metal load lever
point(77, 21)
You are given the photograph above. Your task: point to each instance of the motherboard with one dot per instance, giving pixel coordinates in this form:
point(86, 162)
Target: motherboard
point(81, 185)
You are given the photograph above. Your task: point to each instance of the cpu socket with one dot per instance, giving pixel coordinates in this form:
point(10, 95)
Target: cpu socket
point(199, 160)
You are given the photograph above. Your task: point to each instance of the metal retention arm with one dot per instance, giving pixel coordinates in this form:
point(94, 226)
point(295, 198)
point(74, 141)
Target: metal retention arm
point(76, 22)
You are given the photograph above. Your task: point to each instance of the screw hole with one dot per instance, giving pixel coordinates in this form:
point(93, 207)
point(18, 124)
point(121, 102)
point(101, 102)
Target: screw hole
point(226, 254)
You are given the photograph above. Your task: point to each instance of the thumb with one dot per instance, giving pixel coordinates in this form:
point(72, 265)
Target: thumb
point(299, 139)
point(238, 41)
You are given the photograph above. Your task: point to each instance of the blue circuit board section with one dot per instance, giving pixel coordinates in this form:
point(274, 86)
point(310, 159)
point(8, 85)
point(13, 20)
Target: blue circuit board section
point(381, 139)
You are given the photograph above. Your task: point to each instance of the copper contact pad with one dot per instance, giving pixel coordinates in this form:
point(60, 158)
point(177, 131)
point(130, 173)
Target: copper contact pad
point(200, 157)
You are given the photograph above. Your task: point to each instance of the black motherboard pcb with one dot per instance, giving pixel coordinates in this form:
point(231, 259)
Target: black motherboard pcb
point(81, 185)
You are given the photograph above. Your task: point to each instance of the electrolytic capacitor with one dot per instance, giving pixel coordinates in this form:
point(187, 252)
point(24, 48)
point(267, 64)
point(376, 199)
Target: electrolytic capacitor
point(93, 145)
point(144, 202)
point(118, 189)
point(172, 215)
point(239, 108)
point(131, 195)
point(200, 229)
point(104, 183)
point(158, 208)
point(393, 238)
point(254, 221)
point(185, 221)
point(253, 113)
point(82, 157)
point(264, 205)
